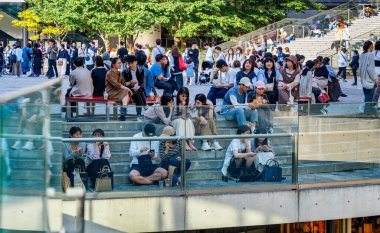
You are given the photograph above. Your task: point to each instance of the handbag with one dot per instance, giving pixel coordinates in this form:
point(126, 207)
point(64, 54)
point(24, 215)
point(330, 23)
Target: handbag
point(65, 182)
point(181, 64)
point(261, 159)
point(104, 181)
point(272, 171)
point(324, 97)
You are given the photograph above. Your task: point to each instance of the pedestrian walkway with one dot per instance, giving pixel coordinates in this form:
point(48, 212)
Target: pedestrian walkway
point(13, 83)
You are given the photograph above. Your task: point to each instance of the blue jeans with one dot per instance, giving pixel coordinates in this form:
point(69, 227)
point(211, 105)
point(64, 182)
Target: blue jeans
point(368, 97)
point(216, 93)
point(179, 80)
point(168, 86)
point(241, 115)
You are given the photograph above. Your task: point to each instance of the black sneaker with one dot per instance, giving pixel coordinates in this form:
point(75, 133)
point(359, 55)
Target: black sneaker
point(354, 84)
point(343, 95)
point(225, 178)
point(122, 118)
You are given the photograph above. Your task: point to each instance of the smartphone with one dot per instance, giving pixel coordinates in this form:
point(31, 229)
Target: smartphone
point(151, 151)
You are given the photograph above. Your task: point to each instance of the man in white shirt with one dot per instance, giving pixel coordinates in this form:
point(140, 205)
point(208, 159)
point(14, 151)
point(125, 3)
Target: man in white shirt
point(157, 50)
point(209, 54)
point(221, 86)
point(144, 165)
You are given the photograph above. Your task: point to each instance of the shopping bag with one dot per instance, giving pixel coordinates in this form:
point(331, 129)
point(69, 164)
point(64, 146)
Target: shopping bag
point(104, 181)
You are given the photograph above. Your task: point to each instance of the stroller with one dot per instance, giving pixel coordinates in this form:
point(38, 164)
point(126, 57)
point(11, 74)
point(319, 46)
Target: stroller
point(204, 76)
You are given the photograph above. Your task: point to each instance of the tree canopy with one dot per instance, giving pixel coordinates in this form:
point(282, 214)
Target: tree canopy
point(221, 19)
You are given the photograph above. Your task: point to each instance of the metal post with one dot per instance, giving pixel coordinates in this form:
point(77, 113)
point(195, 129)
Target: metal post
point(80, 215)
point(293, 28)
point(294, 159)
point(183, 163)
point(24, 29)
point(348, 16)
point(303, 31)
point(329, 226)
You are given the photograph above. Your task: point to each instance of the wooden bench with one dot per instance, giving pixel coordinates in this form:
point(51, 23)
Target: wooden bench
point(149, 101)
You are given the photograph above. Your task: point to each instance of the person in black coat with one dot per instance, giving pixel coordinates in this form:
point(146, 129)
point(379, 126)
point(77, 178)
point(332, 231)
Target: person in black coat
point(73, 54)
point(193, 53)
point(134, 78)
point(37, 60)
point(354, 66)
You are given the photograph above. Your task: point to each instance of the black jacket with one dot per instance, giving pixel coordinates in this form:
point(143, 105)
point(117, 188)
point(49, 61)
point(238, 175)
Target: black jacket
point(127, 74)
point(355, 62)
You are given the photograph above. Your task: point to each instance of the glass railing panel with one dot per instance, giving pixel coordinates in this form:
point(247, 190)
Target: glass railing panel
point(338, 142)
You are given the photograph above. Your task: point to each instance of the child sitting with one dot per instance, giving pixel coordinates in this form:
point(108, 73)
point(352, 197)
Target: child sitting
point(238, 155)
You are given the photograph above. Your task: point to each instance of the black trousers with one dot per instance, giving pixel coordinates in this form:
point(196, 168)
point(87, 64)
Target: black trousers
point(52, 68)
point(139, 99)
point(94, 167)
point(69, 167)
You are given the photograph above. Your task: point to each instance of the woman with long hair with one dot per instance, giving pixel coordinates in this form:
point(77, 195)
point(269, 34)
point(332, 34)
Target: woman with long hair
point(176, 72)
point(230, 58)
point(270, 76)
point(116, 87)
point(247, 71)
point(160, 114)
point(183, 125)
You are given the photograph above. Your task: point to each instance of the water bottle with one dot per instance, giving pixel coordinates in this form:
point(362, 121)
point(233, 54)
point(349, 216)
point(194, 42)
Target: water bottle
point(105, 95)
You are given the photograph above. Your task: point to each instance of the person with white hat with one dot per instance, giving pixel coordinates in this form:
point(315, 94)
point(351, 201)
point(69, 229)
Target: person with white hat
point(236, 105)
point(260, 102)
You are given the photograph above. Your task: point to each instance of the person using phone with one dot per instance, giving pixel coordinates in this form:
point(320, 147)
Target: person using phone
point(144, 165)
point(73, 154)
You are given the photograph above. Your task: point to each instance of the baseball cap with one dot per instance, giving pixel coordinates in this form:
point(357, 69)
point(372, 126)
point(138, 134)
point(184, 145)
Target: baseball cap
point(260, 84)
point(245, 81)
point(150, 130)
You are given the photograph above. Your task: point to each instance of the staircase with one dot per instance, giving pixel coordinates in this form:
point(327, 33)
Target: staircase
point(360, 29)
point(334, 152)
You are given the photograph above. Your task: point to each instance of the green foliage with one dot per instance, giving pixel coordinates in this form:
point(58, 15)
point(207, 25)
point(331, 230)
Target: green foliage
point(183, 18)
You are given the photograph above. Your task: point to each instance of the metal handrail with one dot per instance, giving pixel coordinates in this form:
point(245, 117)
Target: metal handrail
point(4, 98)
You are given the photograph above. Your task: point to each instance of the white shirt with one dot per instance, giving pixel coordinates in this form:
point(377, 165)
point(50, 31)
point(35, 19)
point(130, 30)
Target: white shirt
point(134, 150)
point(134, 77)
point(342, 60)
point(18, 53)
point(90, 53)
point(209, 55)
point(221, 57)
point(147, 52)
point(235, 145)
point(229, 77)
point(93, 153)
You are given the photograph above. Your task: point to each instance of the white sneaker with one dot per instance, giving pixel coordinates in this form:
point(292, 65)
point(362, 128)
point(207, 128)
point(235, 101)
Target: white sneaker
point(28, 146)
point(217, 146)
point(205, 146)
point(16, 146)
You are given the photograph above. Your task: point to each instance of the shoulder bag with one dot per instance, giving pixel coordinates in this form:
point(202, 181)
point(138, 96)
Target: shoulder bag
point(104, 181)
point(272, 171)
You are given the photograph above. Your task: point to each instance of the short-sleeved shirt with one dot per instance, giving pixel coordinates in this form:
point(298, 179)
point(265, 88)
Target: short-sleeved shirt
point(156, 70)
point(235, 145)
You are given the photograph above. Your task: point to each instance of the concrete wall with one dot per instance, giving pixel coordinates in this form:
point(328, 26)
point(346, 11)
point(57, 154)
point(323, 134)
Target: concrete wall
point(150, 37)
point(6, 26)
point(153, 214)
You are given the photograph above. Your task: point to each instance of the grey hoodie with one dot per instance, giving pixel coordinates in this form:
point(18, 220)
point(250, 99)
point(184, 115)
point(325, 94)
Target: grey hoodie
point(367, 71)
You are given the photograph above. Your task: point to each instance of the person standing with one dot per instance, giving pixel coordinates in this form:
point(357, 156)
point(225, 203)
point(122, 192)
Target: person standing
point(157, 50)
point(63, 56)
point(209, 54)
point(37, 60)
point(1, 58)
point(89, 58)
point(27, 53)
point(342, 63)
point(377, 68)
point(194, 55)
point(98, 75)
point(174, 67)
point(354, 66)
point(52, 52)
point(73, 55)
point(17, 51)
point(93, 49)
point(368, 76)
point(122, 51)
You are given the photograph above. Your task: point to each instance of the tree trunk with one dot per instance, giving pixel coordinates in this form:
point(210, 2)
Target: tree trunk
point(106, 40)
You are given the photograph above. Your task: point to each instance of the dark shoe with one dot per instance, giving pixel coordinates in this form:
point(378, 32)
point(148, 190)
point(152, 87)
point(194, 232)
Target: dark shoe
point(343, 95)
point(354, 84)
point(344, 80)
point(225, 178)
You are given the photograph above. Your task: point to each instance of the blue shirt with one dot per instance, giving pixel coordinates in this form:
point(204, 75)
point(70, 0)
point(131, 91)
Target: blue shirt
point(156, 70)
point(26, 53)
point(149, 81)
point(261, 76)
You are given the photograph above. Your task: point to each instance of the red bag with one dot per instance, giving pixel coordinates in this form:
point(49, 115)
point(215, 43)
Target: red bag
point(181, 64)
point(324, 97)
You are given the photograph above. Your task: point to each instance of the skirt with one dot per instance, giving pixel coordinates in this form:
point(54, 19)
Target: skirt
point(184, 127)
